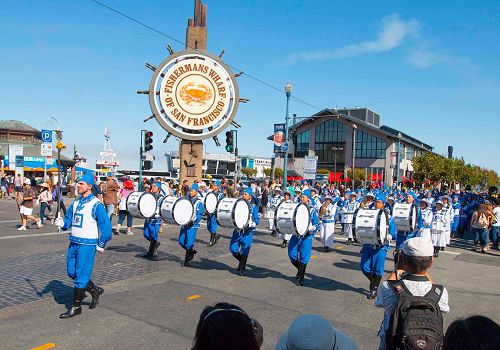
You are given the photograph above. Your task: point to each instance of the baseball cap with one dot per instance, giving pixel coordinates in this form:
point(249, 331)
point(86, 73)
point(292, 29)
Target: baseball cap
point(418, 246)
point(314, 332)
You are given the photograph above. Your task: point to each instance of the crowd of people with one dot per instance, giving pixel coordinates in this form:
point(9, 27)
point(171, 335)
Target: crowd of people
point(413, 302)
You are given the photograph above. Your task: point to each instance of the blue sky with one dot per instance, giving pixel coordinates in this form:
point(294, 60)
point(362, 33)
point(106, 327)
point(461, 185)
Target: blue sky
point(429, 69)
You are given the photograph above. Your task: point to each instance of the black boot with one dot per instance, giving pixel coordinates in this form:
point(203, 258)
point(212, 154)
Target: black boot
point(283, 244)
point(297, 266)
point(349, 241)
point(95, 292)
point(189, 256)
point(326, 249)
point(238, 257)
point(436, 252)
point(212, 239)
point(273, 233)
point(150, 250)
point(373, 291)
point(302, 273)
point(155, 247)
point(76, 309)
point(216, 238)
point(370, 278)
point(243, 265)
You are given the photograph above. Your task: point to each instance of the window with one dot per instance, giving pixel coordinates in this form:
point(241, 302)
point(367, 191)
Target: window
point(368, 146)
point(328, 135)
point(301, 142)
point(410, 153)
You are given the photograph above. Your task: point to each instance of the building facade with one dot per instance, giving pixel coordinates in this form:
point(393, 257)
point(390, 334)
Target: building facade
point(335, 137)
point(258, 164)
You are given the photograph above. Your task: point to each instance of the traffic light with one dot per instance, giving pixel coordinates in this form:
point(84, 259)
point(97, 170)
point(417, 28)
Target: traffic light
point(147, 165)
point(148, 141)
point(229, 142)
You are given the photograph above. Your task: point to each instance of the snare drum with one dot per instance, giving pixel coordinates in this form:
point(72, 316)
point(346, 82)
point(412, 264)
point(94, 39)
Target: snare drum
point(292, 218)
point(141, 205)
point(370, 226)
point(210, 202)
point(177, 210)
point(346, 217)
point(233, 213)
point(405, 216)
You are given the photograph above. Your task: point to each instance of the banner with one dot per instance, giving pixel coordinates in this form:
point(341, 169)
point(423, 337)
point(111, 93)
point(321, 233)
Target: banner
point(310, 164)
point(14, 150)
point(278, 137)
point(394, 160)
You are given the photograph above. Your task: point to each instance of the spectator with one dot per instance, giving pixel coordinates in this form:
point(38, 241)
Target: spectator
point(480, 222)
point(128, 188)
point(417, 258)
point(185, 188)
point(495, 226)
point(26, 208)
point(18, 185)
point(3, 186)
point(472, 333)
point(314, 332)
point(110, 194)
point(45, 199)
point(227, 326)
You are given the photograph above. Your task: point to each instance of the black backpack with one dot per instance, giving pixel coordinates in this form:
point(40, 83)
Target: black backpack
point(416, 321)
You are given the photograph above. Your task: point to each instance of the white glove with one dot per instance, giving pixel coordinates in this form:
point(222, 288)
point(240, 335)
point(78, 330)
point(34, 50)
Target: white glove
point(99, 249)
point(252, 225)
point(59, 222)
point(312, 228)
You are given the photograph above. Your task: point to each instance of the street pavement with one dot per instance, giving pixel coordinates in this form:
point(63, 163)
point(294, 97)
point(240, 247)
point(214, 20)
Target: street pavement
point(155, 304)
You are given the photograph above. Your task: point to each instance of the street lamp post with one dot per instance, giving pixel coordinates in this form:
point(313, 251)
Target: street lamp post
point(354, 128)
point(335, 149)
point(288, 92)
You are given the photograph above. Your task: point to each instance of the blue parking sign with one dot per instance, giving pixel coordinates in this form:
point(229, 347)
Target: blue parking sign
point(46, 135)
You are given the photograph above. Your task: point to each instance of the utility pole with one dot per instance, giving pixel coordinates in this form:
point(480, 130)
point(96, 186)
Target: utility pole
point(354, 128)
point(288, 92)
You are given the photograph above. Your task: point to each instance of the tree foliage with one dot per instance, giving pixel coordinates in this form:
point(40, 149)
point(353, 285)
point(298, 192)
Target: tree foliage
point(431, 167)
point(249, 172)
point(323, 171)
point(359, 176)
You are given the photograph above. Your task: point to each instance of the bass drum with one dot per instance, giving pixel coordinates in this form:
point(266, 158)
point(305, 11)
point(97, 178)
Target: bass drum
point(292, 218)
point(233, 213)
point(177, 210)
point(405, 216)
point(141, 205)
point(370, 226)
point(210, 202)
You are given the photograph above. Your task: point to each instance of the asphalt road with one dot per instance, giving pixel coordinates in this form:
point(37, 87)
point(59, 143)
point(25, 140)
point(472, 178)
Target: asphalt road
point(155, 304)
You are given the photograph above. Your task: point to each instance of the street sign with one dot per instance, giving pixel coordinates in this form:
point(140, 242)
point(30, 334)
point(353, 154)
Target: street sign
point(284, 147)
point(46, 149)
point(310, 164)
point(46, 135)
point(14, 151)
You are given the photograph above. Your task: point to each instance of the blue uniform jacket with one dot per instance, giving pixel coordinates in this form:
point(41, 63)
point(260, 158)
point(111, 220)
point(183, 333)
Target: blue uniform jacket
point(99, 214)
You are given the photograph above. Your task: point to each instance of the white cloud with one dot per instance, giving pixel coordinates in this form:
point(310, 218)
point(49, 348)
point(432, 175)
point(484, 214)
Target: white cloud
point(393, 32)
point(423, 58)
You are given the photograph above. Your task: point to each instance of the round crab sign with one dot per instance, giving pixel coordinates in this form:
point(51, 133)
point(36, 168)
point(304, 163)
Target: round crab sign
point(193, 95)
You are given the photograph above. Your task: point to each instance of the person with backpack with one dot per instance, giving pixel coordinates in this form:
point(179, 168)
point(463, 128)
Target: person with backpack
point(413, 304)
point(480, 222)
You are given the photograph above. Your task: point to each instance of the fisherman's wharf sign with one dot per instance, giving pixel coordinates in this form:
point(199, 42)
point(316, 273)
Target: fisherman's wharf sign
point(193, 95)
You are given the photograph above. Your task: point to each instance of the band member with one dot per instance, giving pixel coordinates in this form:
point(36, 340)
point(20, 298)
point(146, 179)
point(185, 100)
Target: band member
point(286, 237)
point(187, 234)
point(439, 228)
point(90, 231)
point(402, 236)
point(350, 206)
point(211, 218)
point(426, 208)
point(152, 225)
point(447, 206)
point(272, 204)
point(299, 249)
point(373, 256)
point(316, 200)
point(327, 215)
point(241, 241)
point(456, 215)
point(368, 201)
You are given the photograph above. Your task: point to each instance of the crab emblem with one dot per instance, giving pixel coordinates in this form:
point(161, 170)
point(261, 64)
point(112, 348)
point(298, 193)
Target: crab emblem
point(195, 95)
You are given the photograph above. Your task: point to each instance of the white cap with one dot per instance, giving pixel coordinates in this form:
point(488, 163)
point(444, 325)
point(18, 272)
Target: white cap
point(418, 246)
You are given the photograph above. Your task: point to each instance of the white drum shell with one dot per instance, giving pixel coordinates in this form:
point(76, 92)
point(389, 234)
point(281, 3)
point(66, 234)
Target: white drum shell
point(370, 226)
point(210, 202)
point(177, 210)
point(292, 218)
point(141, 204)
point(405, 216)
point(233, 213)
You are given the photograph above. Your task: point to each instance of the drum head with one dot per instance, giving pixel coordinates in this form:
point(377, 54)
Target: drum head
point(302, 218)
point(183, 211)
point(210, 203)
point(413, 217)
point(241, 214)
point(147, 205)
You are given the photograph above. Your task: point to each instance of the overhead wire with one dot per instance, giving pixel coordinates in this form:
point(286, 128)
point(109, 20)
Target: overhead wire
point(182, 43)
